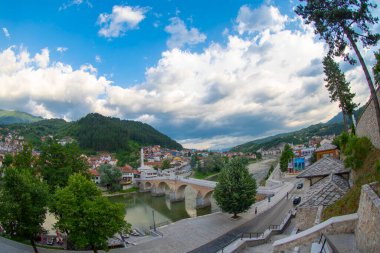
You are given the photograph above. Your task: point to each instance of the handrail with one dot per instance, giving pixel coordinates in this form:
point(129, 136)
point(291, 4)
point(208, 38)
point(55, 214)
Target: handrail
point(326, 242)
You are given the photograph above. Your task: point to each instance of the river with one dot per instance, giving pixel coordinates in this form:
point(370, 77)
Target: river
point(139, 208)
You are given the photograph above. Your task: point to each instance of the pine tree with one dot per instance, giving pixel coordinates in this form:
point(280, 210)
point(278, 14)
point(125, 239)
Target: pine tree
point(338, 88)
point(343, 24)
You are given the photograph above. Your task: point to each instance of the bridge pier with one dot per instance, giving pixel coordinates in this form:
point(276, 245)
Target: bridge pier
point(202, 202)
point(176, 196)
point(156, 192)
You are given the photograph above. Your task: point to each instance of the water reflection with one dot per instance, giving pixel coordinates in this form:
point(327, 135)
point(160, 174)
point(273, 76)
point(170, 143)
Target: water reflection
point(139, 207)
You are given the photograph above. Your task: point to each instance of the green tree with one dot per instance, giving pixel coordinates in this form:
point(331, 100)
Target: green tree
point(23, 201)
point(24, 158)
point(342, 24)
point(88, 218)
point(212, 163)
point(165, 164)
point(286, 155)
point(58, 162)
point(339, 88)
point(376, 69)
point(357, 151)
point(193, 161)
point(236, 189)
point(110, 177)
point(8, 160)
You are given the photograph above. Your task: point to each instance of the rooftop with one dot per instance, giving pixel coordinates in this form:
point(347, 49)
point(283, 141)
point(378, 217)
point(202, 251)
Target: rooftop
point(326, 191)
point(324, 167)
point(326, 146)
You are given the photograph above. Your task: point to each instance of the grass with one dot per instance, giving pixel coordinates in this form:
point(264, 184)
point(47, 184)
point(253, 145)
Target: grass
point(350, 201)
point(201, 175)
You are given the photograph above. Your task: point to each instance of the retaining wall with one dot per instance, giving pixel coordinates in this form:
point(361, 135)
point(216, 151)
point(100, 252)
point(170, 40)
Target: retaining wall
point(367, 124)
point(367, 234)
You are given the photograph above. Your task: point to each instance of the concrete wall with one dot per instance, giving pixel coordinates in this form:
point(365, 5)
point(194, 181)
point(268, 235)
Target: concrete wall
point(367, 124)
point(367, 232)
point(336, 225)
point(305, 217)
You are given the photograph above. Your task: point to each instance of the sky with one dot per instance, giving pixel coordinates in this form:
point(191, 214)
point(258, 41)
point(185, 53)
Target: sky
point(210, 74)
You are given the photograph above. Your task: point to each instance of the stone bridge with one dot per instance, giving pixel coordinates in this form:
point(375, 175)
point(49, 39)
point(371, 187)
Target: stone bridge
point(174, 187)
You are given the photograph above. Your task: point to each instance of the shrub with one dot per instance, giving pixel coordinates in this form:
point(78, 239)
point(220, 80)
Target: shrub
point(356, 151)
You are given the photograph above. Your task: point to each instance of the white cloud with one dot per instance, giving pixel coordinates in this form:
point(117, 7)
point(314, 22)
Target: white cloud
point(6, 32)
point(121, 19)
point(98, 59)
point(180, 35)
point(33, 84)
point(71, 3)
point(219, 97)
point(260, 19)
point(62, 49)
point(89, 68)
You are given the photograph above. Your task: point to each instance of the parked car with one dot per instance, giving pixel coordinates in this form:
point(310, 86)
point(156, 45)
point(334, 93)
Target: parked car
point(299, 185)
point(296, 200)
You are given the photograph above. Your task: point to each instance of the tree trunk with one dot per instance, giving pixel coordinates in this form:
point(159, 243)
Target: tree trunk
point(95, 249)
point(368, 77)
point(34, 245)
point(344, 121)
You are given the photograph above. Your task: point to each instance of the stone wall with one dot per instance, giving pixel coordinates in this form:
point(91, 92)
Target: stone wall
point(367, 232)
point(336, 225)
point(305, 217)
point(367, 124)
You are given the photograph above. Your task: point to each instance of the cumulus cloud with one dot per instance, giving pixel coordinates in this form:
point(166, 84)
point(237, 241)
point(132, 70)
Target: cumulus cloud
point(180, 35)
point(260, 19)
point(6, 32)
point(221, 96)
point(121, 19)
point(33, 84)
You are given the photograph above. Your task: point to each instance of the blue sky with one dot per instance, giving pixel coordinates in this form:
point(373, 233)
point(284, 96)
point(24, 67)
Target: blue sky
point(211, 74)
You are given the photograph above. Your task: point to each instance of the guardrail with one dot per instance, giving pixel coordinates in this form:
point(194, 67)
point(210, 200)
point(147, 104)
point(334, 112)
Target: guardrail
point(251, 235)
point(160, 224)
point(327, 245)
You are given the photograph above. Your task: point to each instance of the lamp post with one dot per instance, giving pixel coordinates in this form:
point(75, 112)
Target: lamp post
point(154, 222)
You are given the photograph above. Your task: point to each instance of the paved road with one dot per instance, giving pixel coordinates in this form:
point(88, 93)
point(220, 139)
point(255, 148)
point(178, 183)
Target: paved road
point(259, 224)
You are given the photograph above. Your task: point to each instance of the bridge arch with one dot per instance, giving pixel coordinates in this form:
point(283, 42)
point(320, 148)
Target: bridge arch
point(163, 187)
point(148, 185)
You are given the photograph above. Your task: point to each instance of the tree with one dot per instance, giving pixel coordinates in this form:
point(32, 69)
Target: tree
point(376, 69)
point(23, 201)
point(58, 162)
point(165, 164)
point(236, 189)
point(88, 218)
point(24, 158)
point(286, 155)
point(338, 88)
point(343, 23)
point(8, 160)
point(110, 177)
point(193, 161)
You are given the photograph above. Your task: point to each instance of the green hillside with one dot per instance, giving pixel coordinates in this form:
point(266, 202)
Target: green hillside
point(296, 137)
point(13, 117)
point(95, 132)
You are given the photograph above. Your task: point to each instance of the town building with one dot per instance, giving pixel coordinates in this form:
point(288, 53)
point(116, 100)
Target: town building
point(327, 150)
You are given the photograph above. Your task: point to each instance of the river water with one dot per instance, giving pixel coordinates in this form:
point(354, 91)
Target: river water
point(139, 208)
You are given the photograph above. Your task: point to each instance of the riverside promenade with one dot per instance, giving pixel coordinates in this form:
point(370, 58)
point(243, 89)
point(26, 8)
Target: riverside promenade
point(187, 234)
point(182, 236)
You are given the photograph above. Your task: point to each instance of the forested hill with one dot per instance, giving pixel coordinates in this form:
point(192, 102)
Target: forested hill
point(106, 133)
point(12, 117)
point(95, 132)
point(296, 137)
point(333, 126)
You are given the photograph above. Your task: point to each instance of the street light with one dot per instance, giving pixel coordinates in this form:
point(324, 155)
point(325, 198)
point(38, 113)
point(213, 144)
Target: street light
point(154, 222)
